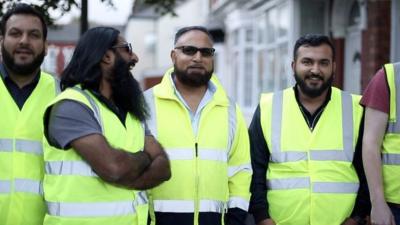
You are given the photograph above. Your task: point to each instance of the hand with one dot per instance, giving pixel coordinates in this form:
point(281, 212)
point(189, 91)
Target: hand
point(350, 221)
point(152, 147)
point(381, 214)
point(266, 222)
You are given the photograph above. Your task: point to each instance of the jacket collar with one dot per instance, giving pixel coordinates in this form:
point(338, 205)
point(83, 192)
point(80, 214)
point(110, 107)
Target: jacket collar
point(166, 90)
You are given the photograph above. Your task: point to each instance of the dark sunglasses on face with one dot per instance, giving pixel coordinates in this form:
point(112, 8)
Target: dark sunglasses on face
point(191, 51)
point(127, 46)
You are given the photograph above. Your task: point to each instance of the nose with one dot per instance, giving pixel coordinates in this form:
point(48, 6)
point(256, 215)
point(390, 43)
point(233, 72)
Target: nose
point(197, 56)
point(134, 57)
point(24, 39)
point(315, 69)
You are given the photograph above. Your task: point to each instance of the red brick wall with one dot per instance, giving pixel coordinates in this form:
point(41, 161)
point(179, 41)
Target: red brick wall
point(338, 43)
point(149, 82)
point(375, 39)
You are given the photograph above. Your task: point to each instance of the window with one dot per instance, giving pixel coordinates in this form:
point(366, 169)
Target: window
point(273, 53)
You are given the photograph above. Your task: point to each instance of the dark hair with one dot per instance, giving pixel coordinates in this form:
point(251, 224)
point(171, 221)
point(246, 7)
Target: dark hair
point(184, 30)
point(313, 40)
point(23, 8)
point(84, 67)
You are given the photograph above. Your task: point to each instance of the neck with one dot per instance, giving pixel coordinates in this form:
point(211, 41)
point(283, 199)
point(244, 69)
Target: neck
point(192, 95)
point(105, 88)
point(22, 80)
point(312, 103)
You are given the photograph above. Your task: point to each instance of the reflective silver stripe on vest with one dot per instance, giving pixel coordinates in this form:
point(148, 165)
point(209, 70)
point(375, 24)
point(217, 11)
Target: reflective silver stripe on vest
point(232, 121)
point(276, 127)
point(288, 156)
point(5, 186)
point(279, 156)
point(214, 155)
point(26, 146)
point(204, 154)
point(80, 168)
point(57, 86)
point(335, 187)
point(394, 127)
point(187, 206)
point(22, 185)
point(232, 170)
point(321, 155)
point(92, 103)
point(152, 120)
point(96, 209)
point(180, 154)
point(390, 159)
point(6, 145)
point(289, 183)
point(347, 126)
point(141, 198)
point(318, 187)
point(238, 202)
point(28, 186)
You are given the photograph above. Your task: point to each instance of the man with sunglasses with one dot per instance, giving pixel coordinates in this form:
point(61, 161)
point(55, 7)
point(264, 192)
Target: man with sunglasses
point(205, 137)
point(96, 153)
point(306, 147)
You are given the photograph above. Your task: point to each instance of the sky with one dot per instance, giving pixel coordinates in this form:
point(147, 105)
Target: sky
point(100, 12)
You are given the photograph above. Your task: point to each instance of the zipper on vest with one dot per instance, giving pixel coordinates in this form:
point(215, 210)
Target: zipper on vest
point(196, 200)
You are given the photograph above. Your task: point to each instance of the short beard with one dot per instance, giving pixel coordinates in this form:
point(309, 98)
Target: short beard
point(126, 91)
point(193, 79)
point(311, 92)
point(24, 70)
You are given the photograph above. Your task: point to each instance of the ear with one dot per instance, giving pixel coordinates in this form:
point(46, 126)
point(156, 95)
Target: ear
point(173, 56)
point(293, 66)
point(334, 67)
point(46, 45)
point(108, 57)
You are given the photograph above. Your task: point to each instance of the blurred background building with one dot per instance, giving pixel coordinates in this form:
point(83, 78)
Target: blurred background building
point(254, 40)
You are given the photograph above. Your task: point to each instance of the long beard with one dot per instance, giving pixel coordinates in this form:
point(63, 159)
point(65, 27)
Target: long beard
point(193, 79)
point(25, 69)
point(127, 93)
point(313, 92)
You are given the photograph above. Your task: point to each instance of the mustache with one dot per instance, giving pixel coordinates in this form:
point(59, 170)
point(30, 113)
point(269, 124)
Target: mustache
point(24, 49)
point(314, 76)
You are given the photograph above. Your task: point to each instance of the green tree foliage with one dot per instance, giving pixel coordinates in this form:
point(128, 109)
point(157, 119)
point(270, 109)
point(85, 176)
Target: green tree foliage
point(64, 6)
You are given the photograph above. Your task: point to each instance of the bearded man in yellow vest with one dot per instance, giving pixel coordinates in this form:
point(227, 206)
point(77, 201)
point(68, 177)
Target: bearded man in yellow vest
point(305, 146)
point(24, 93)
point(205, 136)
point(381, 144)
point(97, 155)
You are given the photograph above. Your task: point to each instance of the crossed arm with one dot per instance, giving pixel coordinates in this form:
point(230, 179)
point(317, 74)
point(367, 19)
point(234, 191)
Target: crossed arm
point(140, 170)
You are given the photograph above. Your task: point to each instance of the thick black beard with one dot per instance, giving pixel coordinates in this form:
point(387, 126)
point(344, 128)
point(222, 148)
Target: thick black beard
point(24, 70)
point(126, 91)
point(310, 92)
point(193, 79)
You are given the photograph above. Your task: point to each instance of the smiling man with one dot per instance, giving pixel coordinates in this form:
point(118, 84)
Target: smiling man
point(306, 147)
point(205, 137)
point(24, 93)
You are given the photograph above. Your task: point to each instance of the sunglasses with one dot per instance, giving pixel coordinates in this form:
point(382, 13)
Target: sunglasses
point(191, 51)
point(127, 46)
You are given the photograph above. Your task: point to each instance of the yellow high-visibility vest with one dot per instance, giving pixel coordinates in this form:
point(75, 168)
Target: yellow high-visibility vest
point(73, 192)
point(391, 140)
point(21, 154)
point(211, 171)
point(310, 176)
